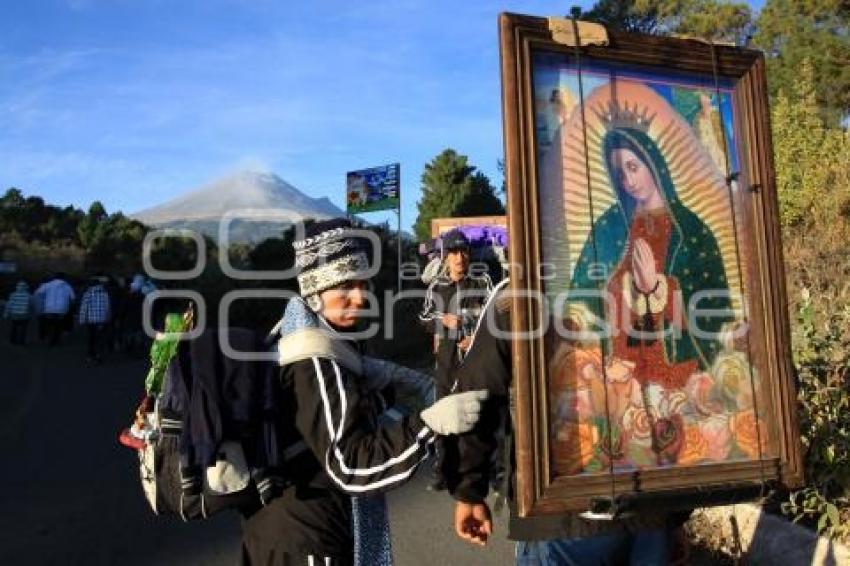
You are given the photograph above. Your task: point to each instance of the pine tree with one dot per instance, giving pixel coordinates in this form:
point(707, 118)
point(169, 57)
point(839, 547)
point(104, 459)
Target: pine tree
point(453, 187)
point(792, 31)
point(13, 198)
point(90, 227)
point(709, 19)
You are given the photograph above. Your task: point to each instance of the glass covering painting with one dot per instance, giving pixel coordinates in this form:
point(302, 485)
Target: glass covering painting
point(650, 365)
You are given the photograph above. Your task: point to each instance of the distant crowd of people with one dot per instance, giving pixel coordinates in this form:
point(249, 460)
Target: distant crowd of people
point(109, 308)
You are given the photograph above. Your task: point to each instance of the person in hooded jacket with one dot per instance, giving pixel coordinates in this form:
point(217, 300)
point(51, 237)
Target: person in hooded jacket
point(334, 429)
point(18, 310)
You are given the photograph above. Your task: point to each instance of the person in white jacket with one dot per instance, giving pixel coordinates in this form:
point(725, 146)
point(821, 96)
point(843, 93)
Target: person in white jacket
point(57, 296)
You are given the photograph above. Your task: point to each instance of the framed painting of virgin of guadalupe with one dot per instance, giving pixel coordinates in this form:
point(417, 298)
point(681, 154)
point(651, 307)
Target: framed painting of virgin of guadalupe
point(653, 366)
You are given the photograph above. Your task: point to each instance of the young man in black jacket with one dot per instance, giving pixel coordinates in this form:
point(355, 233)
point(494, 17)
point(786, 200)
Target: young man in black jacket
point(452, 305)
point(329, 425)
point(564, 539)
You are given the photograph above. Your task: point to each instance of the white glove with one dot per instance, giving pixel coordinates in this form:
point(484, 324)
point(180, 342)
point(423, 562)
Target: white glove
point(456, 413)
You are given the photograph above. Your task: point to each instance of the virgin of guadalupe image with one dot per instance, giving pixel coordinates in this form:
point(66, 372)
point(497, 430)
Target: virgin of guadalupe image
point(656, 253)
point(651, 248)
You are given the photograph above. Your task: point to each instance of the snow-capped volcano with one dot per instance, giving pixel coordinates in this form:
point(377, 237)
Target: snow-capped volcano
point(202, 209)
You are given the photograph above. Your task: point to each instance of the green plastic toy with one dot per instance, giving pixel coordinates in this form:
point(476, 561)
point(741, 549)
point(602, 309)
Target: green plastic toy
point(164, 348)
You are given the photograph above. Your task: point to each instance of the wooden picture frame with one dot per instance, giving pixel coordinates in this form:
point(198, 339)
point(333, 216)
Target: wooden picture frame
point(722, 445)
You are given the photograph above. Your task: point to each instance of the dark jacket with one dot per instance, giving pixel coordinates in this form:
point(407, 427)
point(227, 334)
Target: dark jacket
point(210, 398)
point(221, 396)
point(446, 296)
point(488, 366)
point(348, 453)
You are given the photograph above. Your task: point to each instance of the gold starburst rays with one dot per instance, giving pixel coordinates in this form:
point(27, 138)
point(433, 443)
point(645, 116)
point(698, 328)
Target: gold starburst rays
point(565, 201)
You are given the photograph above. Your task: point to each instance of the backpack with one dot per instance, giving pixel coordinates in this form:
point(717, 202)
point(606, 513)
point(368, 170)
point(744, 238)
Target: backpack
point(172, 480)
point(171, 488)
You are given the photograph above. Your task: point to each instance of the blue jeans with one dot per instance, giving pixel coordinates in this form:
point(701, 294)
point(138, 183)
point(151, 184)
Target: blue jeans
point(646, 548)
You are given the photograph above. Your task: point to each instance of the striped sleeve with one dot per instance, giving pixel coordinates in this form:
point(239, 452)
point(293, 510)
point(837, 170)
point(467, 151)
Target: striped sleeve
point(340, 427)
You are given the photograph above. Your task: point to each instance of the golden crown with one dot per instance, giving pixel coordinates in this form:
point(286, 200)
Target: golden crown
point(614, 116)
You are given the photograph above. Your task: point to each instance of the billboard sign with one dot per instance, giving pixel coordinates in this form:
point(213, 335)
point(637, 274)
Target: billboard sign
point(377, 188)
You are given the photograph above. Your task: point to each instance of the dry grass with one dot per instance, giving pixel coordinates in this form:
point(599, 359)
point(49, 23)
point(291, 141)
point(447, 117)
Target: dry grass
point(818, 259)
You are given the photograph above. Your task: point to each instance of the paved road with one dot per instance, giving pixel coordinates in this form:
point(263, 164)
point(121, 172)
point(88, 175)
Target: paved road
point(70, 494)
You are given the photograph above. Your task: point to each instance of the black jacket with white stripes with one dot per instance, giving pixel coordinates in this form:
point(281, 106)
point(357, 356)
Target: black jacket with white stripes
point(338, 420)
point(348, 452)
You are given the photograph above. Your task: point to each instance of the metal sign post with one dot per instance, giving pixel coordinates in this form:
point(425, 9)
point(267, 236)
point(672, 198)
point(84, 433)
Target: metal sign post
point(398, 228)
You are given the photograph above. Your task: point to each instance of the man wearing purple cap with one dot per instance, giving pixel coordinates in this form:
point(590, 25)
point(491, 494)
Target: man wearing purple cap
point(452, 304)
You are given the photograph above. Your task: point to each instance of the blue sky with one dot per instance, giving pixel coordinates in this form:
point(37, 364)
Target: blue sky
point(132, 102)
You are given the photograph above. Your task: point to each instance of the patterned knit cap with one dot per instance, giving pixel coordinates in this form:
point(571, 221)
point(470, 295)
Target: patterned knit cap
point(332, 252)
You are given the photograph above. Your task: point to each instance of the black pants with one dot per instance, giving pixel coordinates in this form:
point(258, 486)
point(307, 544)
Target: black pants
point(442, 388)
point(96, 337)
point(42, 327)
point(304, 526)
point(54, 326)
point(18, 332)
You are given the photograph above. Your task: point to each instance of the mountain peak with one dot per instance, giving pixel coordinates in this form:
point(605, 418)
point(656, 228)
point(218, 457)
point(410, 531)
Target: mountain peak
point(241, 190)
point(255, 176)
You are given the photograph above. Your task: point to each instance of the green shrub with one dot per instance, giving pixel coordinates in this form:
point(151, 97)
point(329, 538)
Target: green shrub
point(821, 349)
